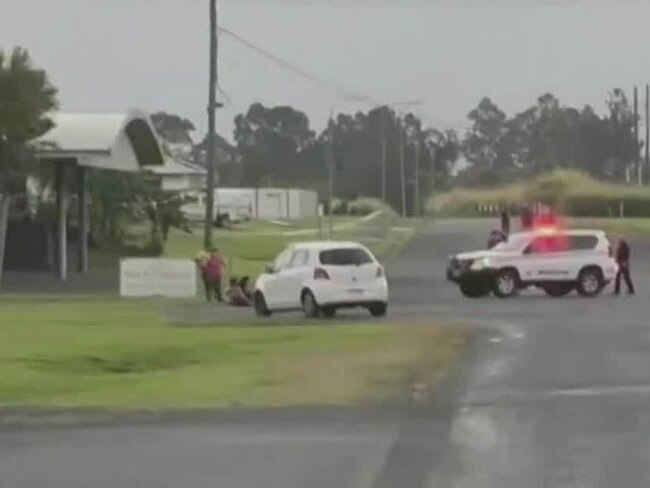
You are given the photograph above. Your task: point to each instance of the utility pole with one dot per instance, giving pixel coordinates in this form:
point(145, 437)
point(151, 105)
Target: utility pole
point(401, 165)
point(636, 135)
point(330, 160)
point(647, 133)
point(416, 190)
point(212, 107)
point(383, 154)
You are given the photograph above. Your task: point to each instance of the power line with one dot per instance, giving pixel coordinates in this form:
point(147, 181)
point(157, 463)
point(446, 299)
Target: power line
point(341, 91)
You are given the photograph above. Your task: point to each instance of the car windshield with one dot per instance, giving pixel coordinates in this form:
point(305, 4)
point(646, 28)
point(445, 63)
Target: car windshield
point(345, 257)
point(514, 243)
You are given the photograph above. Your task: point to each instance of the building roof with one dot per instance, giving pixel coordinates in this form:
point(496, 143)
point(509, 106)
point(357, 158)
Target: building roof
point(175, 166)
point(123, 142)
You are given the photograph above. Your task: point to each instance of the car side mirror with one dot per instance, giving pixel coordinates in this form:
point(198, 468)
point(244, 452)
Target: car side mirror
point(270, 269)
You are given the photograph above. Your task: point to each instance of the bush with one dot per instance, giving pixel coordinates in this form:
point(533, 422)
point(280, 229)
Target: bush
point(571, 192)
point(365, 206)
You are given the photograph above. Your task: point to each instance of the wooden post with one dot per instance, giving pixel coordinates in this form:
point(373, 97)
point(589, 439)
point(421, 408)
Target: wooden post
point(82, 227)
point(62, 221)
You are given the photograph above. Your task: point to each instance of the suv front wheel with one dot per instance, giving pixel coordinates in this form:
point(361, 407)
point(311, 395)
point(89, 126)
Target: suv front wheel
point(505, 283)
point(590, 282)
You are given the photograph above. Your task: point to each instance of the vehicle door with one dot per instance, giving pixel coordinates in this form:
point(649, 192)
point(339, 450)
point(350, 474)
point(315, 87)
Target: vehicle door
point(295, 275)
point(547, 258)
point(582, 252)
point(277, 281)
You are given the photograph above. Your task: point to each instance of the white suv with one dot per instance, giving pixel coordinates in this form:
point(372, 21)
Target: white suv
point(556, 261)
point(320, 277)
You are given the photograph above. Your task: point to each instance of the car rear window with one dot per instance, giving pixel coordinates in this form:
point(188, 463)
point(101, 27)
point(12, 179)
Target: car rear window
point(345, 257)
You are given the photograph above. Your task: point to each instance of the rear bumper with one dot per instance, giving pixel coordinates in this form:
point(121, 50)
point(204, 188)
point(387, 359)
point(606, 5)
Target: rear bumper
point(341, 297)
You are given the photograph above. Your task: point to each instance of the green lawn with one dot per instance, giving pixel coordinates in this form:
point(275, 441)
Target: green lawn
point(70, 351)
point(250, 246)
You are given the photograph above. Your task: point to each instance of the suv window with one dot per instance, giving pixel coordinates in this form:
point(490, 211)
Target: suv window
point(345, 257)
point(582, 243)
point(548, 244)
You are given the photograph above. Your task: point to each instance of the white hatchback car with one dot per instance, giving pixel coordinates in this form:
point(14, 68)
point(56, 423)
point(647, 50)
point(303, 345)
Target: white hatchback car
point(556, 261)
point(320, 277)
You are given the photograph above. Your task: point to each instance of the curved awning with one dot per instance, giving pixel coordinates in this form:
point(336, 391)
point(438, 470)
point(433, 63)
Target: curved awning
point(121, 142)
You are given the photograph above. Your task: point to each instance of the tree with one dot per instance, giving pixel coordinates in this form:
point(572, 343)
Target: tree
point(173, 128)
point(26, 96)
point(270, 141)
point(484, 145)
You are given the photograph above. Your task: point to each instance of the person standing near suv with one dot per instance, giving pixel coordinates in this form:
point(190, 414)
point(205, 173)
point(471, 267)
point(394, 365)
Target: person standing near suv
point(623, 261)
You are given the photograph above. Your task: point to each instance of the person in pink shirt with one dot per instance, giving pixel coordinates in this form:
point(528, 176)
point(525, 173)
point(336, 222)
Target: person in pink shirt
point(213, 269)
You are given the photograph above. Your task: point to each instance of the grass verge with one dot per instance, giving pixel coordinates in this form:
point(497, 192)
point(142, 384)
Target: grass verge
point(249, 247)
point(122, 354)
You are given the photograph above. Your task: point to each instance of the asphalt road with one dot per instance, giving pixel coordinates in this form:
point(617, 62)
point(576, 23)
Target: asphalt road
point(557, 393)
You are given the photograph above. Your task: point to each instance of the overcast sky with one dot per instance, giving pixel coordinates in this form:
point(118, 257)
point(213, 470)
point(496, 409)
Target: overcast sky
point(108, 55)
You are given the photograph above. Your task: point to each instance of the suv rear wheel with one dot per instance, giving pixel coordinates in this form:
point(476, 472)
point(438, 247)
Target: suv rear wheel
point(505, 283)
point(590, 282)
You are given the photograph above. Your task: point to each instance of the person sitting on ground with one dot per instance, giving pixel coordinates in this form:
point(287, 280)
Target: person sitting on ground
point(246, 287)
point(235, 295)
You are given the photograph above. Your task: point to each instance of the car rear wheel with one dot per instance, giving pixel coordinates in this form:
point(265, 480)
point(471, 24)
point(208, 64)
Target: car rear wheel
point(261, 309)
point(378, 309)
point(557, 289)
point(328, 312)
point(474, 290)
point(505, 283)
point(309, 305)
point(590, 282)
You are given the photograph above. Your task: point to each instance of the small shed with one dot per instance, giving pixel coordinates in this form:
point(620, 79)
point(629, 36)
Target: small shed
point(81, 141)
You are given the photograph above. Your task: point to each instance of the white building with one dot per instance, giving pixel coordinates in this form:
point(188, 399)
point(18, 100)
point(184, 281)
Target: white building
point(257, 203)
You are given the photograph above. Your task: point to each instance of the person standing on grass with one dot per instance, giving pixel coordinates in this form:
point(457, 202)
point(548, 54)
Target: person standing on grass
point(212, 275)
point(623, 260)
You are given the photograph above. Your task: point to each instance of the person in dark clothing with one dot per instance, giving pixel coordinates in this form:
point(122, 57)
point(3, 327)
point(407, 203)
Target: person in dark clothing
point(505, 222)
point(527, 216)
point(496, 236)
point(623, 260)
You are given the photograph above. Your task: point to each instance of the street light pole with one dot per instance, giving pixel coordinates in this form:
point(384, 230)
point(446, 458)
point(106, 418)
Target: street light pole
point(401, 165)
point(330, 165)
point(416, 190)
point(383, 154)
point(212, 107)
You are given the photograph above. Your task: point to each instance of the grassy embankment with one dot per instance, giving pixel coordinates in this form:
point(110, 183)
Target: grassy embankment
point(72, 351)
point(250, 246)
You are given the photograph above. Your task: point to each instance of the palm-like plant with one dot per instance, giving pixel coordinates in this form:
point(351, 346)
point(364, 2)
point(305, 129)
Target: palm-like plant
point(26, 98)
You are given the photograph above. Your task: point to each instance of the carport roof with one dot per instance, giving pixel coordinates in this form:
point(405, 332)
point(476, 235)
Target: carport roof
point(123, 141)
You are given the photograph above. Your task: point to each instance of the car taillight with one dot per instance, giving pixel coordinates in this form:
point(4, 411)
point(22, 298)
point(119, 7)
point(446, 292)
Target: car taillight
point(321, 274)
point(380, 272)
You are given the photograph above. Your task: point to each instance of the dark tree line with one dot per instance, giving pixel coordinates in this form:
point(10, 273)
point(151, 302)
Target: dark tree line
point(276, 146)
point(547, 136)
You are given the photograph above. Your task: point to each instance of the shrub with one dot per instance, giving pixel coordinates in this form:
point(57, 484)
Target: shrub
point(571, 192)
